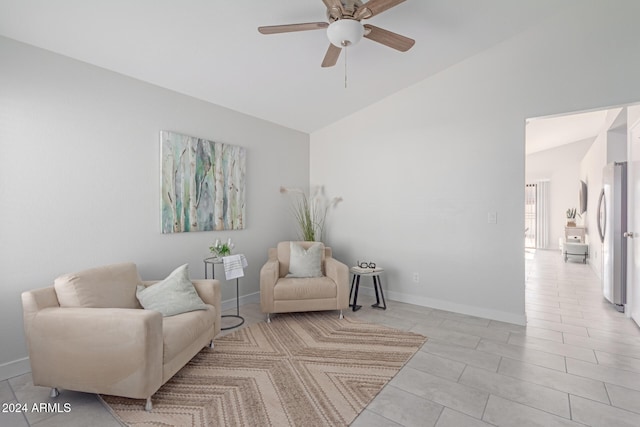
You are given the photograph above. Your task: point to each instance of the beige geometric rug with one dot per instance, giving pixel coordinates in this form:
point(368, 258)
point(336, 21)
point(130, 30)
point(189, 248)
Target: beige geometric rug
point(303, 369)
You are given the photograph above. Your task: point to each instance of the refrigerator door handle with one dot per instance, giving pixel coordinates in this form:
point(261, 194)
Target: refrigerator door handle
point(602, 216)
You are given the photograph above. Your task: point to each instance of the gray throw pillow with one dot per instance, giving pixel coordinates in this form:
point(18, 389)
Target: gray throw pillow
point(305, 262)
point(171, 296)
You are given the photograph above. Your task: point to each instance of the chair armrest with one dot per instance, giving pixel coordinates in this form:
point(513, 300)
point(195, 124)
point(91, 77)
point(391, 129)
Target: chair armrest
point(38, 299)
point(97, 350)
point(209, 291)
point(269, 274)
point(339, 273)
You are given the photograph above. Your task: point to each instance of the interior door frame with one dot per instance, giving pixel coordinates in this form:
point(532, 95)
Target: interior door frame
point(633, 221)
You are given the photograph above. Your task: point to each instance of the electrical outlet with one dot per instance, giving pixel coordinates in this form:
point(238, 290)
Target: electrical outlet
point(416, 277)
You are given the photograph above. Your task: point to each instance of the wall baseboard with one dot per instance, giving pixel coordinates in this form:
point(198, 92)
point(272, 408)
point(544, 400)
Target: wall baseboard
point(14, 368)
point(244, 299)
point(22, 366)
point(449, 306)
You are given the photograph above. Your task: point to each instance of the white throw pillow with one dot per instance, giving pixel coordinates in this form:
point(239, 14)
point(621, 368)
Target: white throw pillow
point(173, 295)
point(305, 262)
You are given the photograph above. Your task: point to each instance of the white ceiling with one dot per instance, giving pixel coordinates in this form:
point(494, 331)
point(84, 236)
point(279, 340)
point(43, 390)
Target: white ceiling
point(550, 132)
point(211, 49)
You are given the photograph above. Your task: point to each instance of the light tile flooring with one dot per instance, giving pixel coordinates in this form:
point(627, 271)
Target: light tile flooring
point(576, 363)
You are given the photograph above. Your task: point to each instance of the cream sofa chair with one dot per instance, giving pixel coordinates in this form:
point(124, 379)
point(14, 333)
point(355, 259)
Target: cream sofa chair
point(89, 333)
point(281, 294)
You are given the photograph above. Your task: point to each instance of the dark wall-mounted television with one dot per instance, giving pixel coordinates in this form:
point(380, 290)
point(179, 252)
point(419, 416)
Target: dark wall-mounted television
point(583, 197)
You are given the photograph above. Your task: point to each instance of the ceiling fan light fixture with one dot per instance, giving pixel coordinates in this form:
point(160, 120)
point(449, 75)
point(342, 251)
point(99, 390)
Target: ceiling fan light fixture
point(345, 32)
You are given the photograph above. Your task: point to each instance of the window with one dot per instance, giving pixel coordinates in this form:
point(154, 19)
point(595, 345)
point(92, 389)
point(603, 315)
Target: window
point(530, 208)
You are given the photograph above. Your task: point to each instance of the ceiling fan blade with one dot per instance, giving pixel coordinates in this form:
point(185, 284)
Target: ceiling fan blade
point(375, 7)
point(388, 38)
point(332, 55)
point(275, 29)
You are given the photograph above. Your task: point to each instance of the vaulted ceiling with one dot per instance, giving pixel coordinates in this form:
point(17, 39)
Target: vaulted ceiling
point(211, 49)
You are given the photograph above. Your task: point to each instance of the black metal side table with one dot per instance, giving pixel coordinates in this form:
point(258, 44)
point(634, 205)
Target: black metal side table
point(374, 273)
point(213, 261)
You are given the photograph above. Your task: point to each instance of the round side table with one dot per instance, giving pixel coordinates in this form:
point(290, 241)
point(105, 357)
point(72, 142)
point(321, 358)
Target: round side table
point(374, 273)
point(213, 261)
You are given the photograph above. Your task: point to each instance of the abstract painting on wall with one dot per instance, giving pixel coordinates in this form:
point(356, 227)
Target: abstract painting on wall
point(203, 184)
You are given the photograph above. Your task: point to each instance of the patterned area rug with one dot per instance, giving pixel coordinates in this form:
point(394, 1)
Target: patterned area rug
point(303, 369)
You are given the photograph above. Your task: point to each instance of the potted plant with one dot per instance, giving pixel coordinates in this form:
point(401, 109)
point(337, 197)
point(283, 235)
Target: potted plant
point(571, 217)
point(311, 214)
point(219, 249)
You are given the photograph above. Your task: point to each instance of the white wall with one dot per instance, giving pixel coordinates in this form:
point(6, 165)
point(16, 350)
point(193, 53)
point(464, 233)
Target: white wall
point(633, 115)
point(561, 166)
point(79, 179)
point(609, 146)
point(591, 173)
point(617, 144)
point(420, 170)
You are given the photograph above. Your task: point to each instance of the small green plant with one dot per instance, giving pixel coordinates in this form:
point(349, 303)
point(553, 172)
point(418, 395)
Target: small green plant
point(572, 212)
point(220, 249)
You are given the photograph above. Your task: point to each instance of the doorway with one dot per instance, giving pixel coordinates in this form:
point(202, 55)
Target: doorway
point(569, 152)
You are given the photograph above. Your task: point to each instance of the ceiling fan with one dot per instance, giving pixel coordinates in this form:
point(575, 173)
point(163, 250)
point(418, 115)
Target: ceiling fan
point(346, 29)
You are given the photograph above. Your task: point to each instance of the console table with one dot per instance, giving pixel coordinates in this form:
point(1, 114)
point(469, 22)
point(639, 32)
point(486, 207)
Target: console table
point(576, 249)
point(574, 234)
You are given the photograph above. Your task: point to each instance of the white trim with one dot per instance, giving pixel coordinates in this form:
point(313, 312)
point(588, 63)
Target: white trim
point(14, 368)
point(22, 366)
point(449, 306)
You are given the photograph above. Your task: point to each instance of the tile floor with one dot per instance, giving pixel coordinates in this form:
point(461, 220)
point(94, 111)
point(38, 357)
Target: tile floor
point(576, 363)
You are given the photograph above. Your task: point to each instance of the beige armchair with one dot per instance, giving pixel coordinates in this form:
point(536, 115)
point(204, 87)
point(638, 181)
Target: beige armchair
point(93, 336)
point(282, 294)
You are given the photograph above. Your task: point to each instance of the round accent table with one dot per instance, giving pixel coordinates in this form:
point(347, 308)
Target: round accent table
point(374, 273)
point(213, 261)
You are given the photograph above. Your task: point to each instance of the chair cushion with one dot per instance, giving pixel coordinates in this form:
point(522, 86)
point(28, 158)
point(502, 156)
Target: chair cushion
point(283, 252)
point(178, 332)
point(110, 286)
point(305, 262)
point(304, 288)
point(171, 296)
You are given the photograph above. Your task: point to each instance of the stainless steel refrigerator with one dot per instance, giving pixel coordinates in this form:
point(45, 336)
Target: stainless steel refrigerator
point(612, 224)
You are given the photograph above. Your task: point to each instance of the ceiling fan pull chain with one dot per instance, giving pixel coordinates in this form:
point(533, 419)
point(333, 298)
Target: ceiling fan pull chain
point(345, 67)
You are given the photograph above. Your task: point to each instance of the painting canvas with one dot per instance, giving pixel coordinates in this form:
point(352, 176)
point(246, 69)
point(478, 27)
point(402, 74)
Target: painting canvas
point(203, 184)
